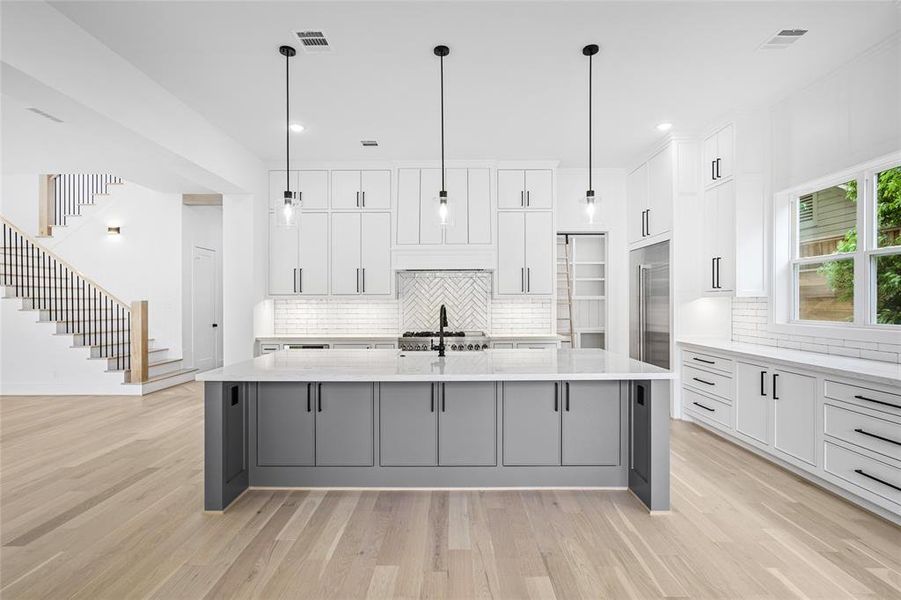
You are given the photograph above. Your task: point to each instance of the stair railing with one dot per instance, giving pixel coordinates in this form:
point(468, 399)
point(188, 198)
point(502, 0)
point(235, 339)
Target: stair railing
point(49, 283)
point(62, 195)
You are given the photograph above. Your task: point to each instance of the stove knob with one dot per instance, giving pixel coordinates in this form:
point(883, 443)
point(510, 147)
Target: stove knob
point(469, 347)
point(484, 346)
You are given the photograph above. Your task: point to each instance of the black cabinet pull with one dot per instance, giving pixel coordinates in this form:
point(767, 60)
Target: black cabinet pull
point(704, 407)
point(567, 396)
point(647, 221)
point(882, 481)
point(877, 401)
point(718, 176)
point(702, 381)
point(878, 437)
point(718, 285)
point(713, 273)
point(309, 406)
point(763, 383)
point(319, 397)
point(432, 397)
point(522, 198)
point(556, 396)
point(712, 170)
point(300, 280)
point(775, 375)
point(706, 362)
point(443, 398)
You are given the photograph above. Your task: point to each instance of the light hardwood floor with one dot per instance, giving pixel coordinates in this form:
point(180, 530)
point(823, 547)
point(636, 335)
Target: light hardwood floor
point(102, 498)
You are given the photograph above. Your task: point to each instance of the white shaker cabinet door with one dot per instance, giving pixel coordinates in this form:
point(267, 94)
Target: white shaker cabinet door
point(752, 401)
point(539, 252)
point(457, 231)
point(511, 249)
point(479, 193)
point(637, 202)
point(345, 255)
point(375, 258)
point(659, 218)
point(539, 188)
point(283, 255)
point(725, 235)
point(313, 187)
point(429, 228)
point(312, 277)
point(708, 164)
point(794, 409)
point(408, 206)
point(725, 152)
point(345, 189)
point(511, 188)
point(375, 189)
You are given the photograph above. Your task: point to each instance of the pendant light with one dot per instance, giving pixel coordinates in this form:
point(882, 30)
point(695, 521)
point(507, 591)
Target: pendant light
point(445, 215)
point(590, 199)
point(287, 217)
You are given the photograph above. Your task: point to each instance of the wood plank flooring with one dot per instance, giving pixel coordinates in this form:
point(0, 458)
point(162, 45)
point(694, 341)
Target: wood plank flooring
point(102, 498)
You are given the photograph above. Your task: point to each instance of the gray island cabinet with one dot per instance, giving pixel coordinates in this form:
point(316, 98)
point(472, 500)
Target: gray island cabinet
point(500, 418)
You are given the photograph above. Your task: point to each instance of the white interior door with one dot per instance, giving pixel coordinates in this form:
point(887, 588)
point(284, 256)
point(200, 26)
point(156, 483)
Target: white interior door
point(511, 253)
point(345, 245)
point(375, 260)
point(539, 252)
point(204, 319)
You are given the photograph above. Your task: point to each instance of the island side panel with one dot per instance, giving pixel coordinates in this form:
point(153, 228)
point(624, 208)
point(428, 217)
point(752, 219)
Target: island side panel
point(649, 443)
point(225, 443)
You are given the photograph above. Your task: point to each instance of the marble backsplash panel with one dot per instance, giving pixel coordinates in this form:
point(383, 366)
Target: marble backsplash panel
point(466, 294)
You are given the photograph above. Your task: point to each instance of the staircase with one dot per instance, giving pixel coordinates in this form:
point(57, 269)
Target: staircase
point(64, 195)
point(107, 328)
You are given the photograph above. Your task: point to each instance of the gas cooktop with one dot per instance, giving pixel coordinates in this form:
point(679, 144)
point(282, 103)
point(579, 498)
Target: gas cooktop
point(409, 334)
point(453, 340)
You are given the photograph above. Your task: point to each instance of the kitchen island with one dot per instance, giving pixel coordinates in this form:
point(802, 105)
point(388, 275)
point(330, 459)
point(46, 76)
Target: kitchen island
point(387, 418)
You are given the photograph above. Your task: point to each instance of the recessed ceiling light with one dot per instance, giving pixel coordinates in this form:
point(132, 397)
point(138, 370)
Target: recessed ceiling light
point(664, 126)
point(295, 127)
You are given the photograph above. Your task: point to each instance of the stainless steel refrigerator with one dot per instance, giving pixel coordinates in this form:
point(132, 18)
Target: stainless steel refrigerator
point(649, 305)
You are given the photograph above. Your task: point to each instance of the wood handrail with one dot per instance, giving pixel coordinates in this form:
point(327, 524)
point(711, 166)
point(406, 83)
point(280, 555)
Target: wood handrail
point(62, 261)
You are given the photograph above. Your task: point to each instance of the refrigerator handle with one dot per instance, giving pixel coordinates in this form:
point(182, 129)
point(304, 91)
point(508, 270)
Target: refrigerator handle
point(642, 311)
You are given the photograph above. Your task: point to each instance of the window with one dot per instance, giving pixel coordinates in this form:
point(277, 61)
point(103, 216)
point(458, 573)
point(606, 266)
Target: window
point(846, 251)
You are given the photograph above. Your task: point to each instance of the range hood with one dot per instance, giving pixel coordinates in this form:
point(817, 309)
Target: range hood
point(445, 258)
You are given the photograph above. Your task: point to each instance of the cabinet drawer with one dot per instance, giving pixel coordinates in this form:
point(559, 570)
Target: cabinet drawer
point(706, 361)
point(875, 399)
point(269, 348)
point(879, 478)
point(709, 382)
point(863, 430)
point(706, 408)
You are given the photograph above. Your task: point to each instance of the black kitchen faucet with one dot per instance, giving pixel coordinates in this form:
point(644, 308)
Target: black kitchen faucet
point(442, 323)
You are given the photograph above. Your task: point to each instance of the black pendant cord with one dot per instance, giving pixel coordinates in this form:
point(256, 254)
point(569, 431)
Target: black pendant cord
point(287, 123)
point(442, 123)
point(590, 58)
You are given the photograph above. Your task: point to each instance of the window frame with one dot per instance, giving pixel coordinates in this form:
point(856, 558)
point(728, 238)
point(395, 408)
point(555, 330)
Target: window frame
point(784, 288)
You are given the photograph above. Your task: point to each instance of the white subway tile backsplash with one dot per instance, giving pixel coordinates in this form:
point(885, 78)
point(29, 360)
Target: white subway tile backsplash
point(750, 325)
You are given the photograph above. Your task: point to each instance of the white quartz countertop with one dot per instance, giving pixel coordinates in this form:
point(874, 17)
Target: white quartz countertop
point(395, 365)
point(870, 370)
point(329, 336)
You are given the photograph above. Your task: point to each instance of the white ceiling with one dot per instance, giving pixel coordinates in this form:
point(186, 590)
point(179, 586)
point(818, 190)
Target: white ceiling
point(515, 80)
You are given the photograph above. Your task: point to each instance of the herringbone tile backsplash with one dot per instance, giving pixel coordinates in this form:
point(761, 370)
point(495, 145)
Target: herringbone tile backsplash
point(466, 294)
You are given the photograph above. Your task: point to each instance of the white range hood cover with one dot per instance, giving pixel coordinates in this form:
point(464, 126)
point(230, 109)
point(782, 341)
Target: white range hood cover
point(445, 258)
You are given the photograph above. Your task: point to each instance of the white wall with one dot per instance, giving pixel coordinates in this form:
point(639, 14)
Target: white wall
point(201, 227)
point(610, 218)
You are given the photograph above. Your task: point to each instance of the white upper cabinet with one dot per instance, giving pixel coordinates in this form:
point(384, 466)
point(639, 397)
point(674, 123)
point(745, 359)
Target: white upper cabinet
point(313, 188)
point(529, 188)
point(312, 275)
point(369, 189)
point(469, 198)
point(719, 156)
point(659, 217)
point(525, 252)
point(360, 253)
point(719, 238)
point(346, 242)
point(283, 257)
point(637, 192)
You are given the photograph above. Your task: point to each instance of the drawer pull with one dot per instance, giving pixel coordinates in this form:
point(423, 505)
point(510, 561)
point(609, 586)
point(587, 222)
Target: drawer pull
point(878, 437)
point(877, 401)
point(706, 362)
point(868, 476)
point(704, 407)
point(702, 381)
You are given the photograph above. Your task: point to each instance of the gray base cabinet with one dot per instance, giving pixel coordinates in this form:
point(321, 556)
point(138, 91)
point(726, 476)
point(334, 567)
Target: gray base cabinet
point(591, 423)
point(344, 424)
point(285, 425)
point(531, 423)
point(408, 424)
point(467, 432)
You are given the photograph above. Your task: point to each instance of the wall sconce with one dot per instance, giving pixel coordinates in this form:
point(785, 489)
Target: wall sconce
point(113, 230)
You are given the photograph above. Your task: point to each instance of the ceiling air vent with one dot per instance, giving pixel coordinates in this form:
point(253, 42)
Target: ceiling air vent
point(783, 39)
point(369, 143)
point(46, 115)
point(313, 42)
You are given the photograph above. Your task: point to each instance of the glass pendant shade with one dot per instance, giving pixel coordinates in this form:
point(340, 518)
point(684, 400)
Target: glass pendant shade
point(445, 212)
point(590, 205)
point(287, 215)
